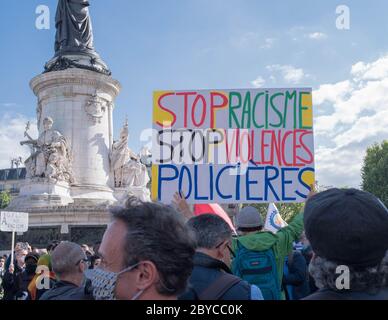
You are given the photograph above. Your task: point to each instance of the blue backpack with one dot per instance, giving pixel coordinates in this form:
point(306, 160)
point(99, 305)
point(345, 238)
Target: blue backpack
point(258, 268)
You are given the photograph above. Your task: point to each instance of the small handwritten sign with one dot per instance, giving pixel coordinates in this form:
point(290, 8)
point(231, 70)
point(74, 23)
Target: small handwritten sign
point(13, 221)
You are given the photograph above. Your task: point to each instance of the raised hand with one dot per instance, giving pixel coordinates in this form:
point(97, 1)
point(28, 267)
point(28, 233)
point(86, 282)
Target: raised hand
point(313, 191)
point(182, 205)
point(11, 268)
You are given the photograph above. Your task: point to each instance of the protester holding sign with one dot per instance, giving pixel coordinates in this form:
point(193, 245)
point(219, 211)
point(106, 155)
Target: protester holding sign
point(12, 279)
point(257, 247)
point(265, 250)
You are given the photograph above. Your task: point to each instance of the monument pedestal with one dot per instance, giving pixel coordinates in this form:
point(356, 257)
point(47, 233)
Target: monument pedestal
point(38, 194)
point(81, 103)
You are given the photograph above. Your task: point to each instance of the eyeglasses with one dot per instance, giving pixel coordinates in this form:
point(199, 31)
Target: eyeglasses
point(229, 248)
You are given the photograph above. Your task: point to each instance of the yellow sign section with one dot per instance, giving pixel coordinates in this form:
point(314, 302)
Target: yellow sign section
point(155, 179)
point(160, 115)
point(308, 178)
point(307, 110)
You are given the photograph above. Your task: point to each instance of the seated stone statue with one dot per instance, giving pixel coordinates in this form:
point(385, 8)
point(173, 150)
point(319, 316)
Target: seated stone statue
point(50, 158)
point(128, 171)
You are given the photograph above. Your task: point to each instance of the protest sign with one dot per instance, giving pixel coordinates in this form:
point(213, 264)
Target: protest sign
point(13, 222)
point(233, 146)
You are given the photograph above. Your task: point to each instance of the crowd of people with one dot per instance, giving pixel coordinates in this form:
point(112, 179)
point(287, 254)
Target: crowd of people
point(337, 248)
point(32, 274)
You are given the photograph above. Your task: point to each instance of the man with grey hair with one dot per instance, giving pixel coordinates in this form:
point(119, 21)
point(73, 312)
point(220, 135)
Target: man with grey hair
point(348, 232)
point(211, 278)
point(69, 263)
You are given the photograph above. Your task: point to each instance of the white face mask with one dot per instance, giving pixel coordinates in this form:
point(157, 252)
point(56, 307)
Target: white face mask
point(21, 259)
point(104, 283)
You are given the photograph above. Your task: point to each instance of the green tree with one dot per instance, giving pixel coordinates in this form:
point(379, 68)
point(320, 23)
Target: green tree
point(286, 210)
point(375, 171)
point(5, 199)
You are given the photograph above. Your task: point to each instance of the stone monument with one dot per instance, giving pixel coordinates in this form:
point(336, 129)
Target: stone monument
point(76, 170)
point(129, 173)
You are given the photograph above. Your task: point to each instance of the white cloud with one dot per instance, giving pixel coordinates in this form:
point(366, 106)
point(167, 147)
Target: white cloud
point(317, 36)
point(376, 70)
point(8, 104)
point(11, 133)
point(359, 118)
point(289, 73)
point(252, 40)
point(332, 92)
point(268, 43)
point(258, 82)
point(245, 40)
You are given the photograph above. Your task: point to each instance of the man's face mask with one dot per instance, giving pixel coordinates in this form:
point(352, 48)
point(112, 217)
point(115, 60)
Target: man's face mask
point(104, 283)
point(20, 259)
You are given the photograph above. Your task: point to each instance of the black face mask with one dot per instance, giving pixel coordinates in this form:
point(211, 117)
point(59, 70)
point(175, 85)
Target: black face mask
point(31, 268)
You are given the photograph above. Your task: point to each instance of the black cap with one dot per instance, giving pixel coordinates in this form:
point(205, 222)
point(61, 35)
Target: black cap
point(33, 256)
point(347, 226)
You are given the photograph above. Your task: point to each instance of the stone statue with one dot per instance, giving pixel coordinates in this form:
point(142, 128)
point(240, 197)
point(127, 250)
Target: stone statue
point(74, 39)
point(145, 156)
point(50, 158)
point(127, 169)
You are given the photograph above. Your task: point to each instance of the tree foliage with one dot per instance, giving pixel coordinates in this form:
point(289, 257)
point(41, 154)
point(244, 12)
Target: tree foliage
point(375, 171)
point(287, 210)
point(5, 199)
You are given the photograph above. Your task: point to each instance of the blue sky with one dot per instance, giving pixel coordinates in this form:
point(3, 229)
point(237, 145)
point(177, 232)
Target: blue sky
point(192, 44)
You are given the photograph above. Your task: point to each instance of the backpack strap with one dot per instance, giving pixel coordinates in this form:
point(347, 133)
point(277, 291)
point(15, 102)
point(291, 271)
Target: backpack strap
point(219, 287)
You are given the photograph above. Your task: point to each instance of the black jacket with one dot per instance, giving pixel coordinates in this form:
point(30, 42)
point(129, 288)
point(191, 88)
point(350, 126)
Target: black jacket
point(206, 271)
point(12, 283)
point(64, 290)
point(297, 276)
point(327, 294)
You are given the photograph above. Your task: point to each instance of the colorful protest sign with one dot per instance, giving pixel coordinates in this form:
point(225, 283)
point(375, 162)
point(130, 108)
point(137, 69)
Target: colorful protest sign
point(233, 146)
point(274, 221)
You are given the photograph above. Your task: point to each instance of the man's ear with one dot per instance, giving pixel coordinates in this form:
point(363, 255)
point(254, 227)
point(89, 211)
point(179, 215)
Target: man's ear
point(221, 250)
point(82, 267)
point(147, 275)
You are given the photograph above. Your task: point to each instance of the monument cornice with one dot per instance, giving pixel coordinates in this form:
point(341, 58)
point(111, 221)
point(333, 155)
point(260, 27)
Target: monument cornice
point(75, 77)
